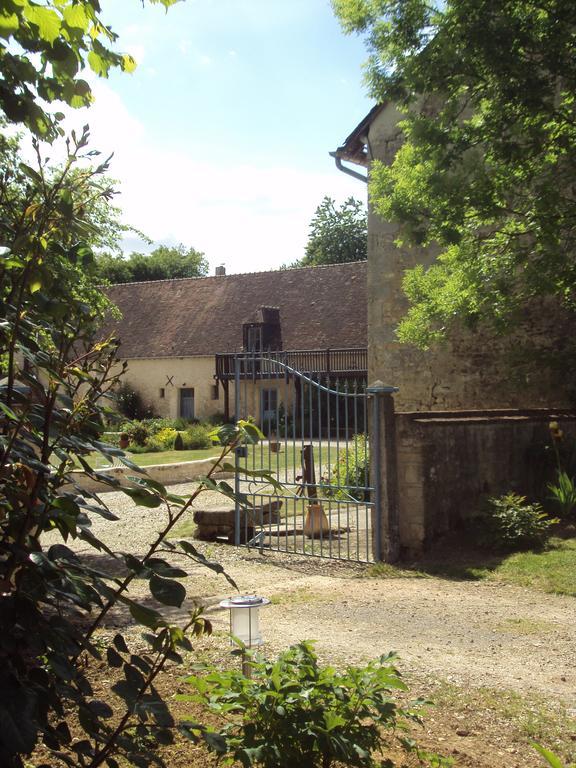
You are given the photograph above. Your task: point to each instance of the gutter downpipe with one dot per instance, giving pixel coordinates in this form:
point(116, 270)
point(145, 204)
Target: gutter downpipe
point(349, 171)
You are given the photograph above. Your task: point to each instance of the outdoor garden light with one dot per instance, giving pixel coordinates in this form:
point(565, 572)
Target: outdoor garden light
point(244, 618)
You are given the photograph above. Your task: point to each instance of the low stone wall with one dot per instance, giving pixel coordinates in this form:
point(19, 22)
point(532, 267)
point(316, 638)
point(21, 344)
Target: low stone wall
point(167, 474)
point(448, 463)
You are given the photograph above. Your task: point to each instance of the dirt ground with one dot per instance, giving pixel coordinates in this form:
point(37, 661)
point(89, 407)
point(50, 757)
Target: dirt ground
point(498, 660)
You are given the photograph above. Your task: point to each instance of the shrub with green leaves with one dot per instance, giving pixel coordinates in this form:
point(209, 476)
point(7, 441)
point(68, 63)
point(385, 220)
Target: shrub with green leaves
point(351, 471)
point(58, 373)
point(163, 440)
point(197, 436)
point(563, 493)
point(293, 712)
point(130, 404)
point(512, 523)
point(137, 432)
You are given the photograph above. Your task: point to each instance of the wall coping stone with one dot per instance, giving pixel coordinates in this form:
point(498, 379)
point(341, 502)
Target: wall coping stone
point(489, 416)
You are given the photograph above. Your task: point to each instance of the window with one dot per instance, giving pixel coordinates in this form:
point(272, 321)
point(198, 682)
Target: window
point(214, 393)
point(269, 410)
point(162, 393)
point(254, 338)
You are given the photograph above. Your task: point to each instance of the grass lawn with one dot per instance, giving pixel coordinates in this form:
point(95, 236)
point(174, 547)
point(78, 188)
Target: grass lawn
point(550, 570)
point(260, 458)
point(97, 461)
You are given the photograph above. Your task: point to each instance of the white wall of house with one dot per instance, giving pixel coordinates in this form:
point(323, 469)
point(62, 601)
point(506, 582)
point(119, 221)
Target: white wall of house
point(161, 381)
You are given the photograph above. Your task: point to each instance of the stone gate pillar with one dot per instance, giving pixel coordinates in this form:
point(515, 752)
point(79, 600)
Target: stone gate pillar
point(384, 474)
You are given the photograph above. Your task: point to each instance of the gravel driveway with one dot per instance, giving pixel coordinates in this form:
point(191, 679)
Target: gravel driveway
point(469, 633)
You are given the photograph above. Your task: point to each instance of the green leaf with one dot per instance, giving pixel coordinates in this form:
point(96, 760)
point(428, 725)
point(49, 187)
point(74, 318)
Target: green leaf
point(113, 657)
point(30, 172)
point(192, 552)
point(120, 643)
point(98, 65)
point(100, 708)
point(145, 616)
point(333, 720)
point(552, 759)
point(167, 591)
point(128, 63)
point(76, 16)
point(8, 411)
point(34, 284)
point(9, 24)
point(148, 482)
point(47, 21)
point(127, 691)
point(142, 498)
point(215, 741)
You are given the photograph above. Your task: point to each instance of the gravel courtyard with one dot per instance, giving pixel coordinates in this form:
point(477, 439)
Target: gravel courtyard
point(466, 634)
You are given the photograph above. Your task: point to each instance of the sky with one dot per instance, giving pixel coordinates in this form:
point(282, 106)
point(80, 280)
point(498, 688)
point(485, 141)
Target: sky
point(221, 136)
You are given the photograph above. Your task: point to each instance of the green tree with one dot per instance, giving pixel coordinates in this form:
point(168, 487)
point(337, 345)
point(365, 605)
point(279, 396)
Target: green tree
point(43, 49)
point(486, 172)
point(337, 234)
point(162, 264)
point(54, 395)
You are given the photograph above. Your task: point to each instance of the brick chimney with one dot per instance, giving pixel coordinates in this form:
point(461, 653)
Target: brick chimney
point(220, 271)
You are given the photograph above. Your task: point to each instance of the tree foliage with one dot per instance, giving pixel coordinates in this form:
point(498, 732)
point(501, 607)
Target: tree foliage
point(43, 49)
point(54, 391)
point(337, 234)
point(163, 263)
point(53, 400)
point(487, 167)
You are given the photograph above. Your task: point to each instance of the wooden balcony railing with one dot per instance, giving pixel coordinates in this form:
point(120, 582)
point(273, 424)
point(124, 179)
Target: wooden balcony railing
point(343, 363)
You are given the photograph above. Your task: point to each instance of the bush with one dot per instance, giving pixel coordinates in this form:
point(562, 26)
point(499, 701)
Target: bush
point(563, 493)
point(217, 419)
point(164, 438)
point(292, 712)
point(197, 436)
point(511, 523)
point(112, 438)
point(178, 442)
point(130, 403)
point(352, 469)
point(137, 432)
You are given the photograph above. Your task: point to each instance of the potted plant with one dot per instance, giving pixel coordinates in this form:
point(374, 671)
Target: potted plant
point(273, 443)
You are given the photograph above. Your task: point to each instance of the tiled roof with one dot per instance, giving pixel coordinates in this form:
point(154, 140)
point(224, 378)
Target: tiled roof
point(320, 307)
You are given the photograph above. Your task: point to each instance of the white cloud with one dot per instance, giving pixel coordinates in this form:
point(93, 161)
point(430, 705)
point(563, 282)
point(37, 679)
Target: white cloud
point(203, 60)
point(246, 216)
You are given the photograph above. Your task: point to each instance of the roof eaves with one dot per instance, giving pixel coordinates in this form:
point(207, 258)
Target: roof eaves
point(354, 148)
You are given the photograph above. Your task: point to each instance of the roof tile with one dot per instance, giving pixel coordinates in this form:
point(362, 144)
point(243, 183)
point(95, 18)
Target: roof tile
point(320, 307)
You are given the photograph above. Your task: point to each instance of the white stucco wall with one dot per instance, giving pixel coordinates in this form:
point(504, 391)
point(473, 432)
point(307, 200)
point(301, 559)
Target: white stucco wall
point(149, 375)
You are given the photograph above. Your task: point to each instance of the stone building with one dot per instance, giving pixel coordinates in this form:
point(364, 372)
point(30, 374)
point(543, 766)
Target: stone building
point(472, 369)
point(471, 414)
point(180, 337)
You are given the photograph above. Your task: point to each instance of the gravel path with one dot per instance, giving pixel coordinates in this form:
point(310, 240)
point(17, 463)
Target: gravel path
point(470, 633)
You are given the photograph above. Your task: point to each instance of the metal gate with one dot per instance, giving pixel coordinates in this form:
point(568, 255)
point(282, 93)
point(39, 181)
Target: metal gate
point(316, 446)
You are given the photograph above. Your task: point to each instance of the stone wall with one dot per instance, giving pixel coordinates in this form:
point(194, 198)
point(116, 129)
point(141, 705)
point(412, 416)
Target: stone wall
point(448, 463)
point(472, 369)
point(167, 474)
